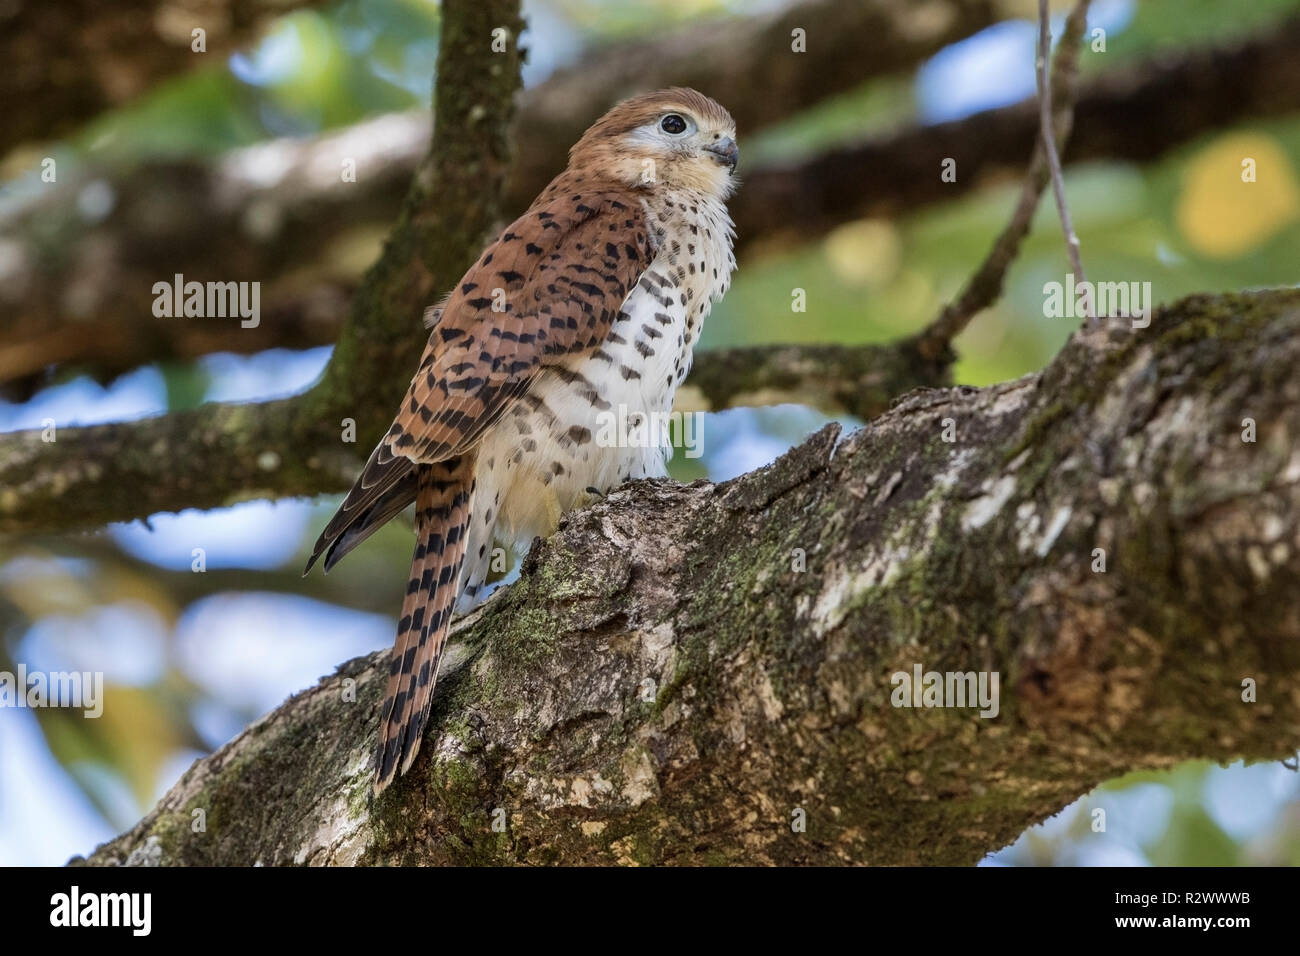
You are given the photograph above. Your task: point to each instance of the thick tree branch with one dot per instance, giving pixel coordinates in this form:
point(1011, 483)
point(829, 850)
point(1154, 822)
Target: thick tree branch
point(682, 668)
point(296, 232)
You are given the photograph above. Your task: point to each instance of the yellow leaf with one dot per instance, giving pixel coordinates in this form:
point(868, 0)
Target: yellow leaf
point(1220, 213)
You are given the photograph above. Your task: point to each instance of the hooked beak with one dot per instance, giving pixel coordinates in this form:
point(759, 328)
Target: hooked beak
point(725, 151)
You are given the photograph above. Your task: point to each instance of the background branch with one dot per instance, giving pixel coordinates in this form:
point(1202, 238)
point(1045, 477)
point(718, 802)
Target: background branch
point(1056, 118)
point(1047, 130)
point(67, 62)
point(299, 234)
point(222, 453)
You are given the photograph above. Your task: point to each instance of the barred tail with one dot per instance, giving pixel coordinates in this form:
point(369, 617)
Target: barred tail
point(443, 501)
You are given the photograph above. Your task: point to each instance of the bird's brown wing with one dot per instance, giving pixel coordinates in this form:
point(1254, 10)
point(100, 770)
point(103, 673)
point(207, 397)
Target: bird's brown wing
point(551, 286)
point(383, 490)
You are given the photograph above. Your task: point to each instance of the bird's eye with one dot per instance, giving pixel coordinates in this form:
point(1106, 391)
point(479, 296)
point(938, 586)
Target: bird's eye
point(672, 123)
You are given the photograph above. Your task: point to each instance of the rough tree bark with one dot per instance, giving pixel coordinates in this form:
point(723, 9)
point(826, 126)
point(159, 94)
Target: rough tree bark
point(664, 685)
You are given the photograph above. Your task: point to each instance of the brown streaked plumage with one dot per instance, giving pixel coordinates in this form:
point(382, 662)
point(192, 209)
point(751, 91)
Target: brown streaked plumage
point(593, 296)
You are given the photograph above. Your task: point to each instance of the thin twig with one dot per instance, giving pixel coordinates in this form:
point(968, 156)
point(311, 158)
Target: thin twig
point(1049, 144)
point(985, 286)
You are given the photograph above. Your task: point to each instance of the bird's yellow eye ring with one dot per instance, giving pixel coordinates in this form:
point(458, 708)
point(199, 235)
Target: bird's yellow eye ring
point(673, 123)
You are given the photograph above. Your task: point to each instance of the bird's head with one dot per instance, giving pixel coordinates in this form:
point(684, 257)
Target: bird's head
point(669, 139)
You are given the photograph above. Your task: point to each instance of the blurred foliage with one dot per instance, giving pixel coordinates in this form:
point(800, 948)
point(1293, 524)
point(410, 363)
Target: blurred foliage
point(315, 70)
point(1186, 223)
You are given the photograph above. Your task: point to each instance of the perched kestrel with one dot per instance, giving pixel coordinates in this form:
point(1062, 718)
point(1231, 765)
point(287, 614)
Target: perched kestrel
point(587, 306)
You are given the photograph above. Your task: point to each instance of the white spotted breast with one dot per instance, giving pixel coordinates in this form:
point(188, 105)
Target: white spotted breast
point(563, 437)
